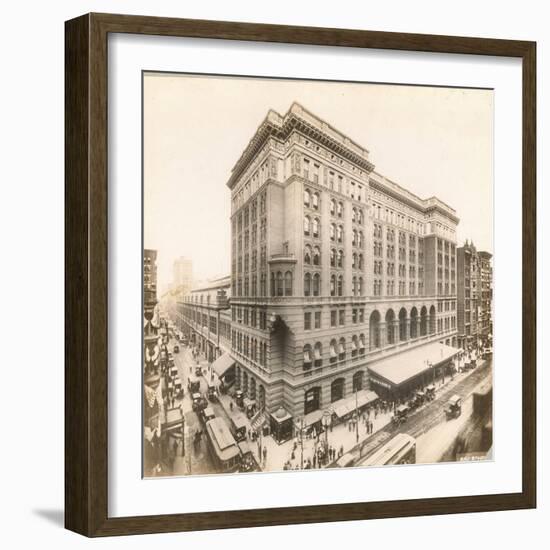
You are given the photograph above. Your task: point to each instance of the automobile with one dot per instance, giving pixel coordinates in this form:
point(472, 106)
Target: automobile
point(401, 414)
point(454, 407)
point(176, 349)
point(212, 393)
point(194, 384)
point(199, 402)
point(430, 392)
point(239, 398)
point(207, 414)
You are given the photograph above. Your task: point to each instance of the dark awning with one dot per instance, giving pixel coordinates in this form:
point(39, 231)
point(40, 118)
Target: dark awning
point(222, 364)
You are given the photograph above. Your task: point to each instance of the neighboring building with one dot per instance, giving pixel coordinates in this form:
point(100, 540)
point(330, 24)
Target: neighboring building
point(485, 321)
point(205, 318)
point(475, 296)
point(150, 321)
point(334, 269)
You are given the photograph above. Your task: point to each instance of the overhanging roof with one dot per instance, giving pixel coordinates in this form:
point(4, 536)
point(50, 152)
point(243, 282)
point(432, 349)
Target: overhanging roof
point(403, 366)
point(222, 364)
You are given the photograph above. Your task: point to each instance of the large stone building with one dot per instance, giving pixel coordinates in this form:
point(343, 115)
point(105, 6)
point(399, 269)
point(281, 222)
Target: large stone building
point(475, 296)
point(340, 278)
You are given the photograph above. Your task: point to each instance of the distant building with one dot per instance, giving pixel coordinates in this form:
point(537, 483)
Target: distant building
point(182, 274)
point(475, 295)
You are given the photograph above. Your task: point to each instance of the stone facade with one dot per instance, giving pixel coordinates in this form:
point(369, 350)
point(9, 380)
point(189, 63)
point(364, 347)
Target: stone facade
point(333, 266)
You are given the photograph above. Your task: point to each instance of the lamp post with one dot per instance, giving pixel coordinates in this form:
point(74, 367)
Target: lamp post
point(299, 428)
point(327, 421)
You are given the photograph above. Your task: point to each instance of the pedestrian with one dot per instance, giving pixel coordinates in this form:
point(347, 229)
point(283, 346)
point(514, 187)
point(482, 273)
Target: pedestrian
point(230, 405)
point(264, 453)
point(314, 460)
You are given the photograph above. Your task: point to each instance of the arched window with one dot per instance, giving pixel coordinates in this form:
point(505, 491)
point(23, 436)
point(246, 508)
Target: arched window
point(342, 349)
point(354, 346)
point(402, 324)
point(354, 238)
point(360, 261)
point(279, 284)
point(340, 233)
point(307, 357)
point(354, 260)
point(316, 284)
point(374, 329)
point(306, 225)
point(333, 351)
point(288, 283)
point(360, 216)
point(354, 285)
point(332, 231)
point(414, 322)
point(390, 318)
point(340, 209)
point(337, 390)
point(340, 258)
point(316, 256)
point(315, 198)
point(333, 285)
point(340, 285)
point(307, 284)
point(315, 227)
point(360, 286)
point(353, 215)
point(318, 354)
point(332, 207)
point(307, 255)
point(360, 239)
point(362, 344)
point(307, 197)
point(332, 257)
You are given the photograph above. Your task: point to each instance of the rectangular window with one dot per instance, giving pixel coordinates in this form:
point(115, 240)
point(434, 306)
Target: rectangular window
point(354, 315)
point(342, 315)
point(333, 315)
point(307, 321)
point(317, 319)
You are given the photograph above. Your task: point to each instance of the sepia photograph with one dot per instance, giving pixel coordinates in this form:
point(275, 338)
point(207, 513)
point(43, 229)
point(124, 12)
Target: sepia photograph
point(317, 274)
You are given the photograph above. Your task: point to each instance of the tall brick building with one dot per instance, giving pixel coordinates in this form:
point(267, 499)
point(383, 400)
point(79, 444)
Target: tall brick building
point(475, 295)
point(338, 275)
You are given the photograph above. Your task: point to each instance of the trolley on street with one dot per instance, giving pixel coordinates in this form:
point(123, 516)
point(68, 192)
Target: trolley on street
point(222, 445)
point(399, 450)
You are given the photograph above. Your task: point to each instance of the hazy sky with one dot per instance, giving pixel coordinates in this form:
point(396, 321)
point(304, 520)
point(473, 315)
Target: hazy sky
point(432, 141)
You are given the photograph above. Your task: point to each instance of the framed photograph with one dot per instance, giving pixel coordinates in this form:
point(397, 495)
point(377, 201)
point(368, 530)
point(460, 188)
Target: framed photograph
point(300, 275)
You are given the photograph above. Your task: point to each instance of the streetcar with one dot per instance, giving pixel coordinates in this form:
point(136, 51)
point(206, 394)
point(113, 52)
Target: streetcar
point(239, 425)
point(223, 448)
point(399, 450)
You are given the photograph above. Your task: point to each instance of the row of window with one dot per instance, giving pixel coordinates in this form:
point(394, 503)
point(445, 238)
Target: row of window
point(313, 319)
point(313, 354)
point(250, 347)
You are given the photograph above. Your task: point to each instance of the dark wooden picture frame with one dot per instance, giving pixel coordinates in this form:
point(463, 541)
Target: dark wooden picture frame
point(86, 279)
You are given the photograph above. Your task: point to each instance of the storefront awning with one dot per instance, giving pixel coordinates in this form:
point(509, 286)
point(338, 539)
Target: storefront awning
point(349, 404)
point(222, 364)
point(312, 418)
point(404, 366)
